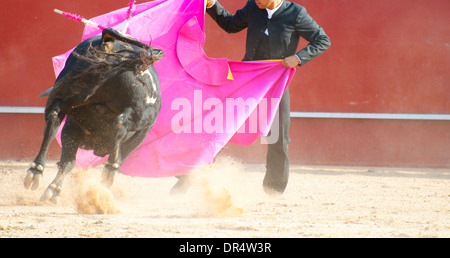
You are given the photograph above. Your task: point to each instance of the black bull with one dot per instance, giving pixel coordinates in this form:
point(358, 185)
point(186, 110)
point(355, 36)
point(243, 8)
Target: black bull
point(109, 92)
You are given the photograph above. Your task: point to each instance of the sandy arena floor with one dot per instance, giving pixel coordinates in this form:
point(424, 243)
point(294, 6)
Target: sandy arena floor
point(228, 201)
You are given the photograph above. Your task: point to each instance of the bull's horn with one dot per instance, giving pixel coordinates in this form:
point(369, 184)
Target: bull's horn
point(45, 93)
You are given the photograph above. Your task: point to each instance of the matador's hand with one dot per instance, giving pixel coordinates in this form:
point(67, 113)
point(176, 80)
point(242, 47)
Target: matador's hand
point(210, 3)
point(291, 61)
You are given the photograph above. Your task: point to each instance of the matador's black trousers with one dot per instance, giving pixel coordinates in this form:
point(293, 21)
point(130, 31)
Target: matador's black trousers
point(277, 166)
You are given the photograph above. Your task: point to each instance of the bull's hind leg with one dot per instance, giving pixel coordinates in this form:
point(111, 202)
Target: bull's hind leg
point(70, 141)
point(53, 119)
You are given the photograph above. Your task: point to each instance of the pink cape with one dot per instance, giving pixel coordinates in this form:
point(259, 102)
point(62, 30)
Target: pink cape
point(206, 102)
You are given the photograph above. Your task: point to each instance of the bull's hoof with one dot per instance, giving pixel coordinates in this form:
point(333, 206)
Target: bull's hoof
point(108, 177)
point(33, 177)
point(183, 184)
point(51, 194)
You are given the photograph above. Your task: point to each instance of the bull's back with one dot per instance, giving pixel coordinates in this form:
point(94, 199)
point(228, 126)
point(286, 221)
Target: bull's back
point(74, 63)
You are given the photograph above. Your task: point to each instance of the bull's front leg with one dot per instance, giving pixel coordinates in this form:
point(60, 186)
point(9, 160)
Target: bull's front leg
point(112, 166)
point(110, 170)
point(53, 119)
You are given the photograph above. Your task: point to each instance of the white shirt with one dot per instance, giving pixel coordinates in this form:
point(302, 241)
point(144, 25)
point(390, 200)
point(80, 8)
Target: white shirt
point(271, 12)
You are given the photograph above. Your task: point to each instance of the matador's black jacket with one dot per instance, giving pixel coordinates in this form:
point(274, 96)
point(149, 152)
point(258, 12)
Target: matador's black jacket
point(287, 25)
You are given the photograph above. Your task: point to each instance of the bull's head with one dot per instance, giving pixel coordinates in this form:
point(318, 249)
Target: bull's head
point(114, 43)
point(114, 53)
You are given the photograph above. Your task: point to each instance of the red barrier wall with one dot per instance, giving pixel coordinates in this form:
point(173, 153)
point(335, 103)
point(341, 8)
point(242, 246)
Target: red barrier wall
point(386, 57)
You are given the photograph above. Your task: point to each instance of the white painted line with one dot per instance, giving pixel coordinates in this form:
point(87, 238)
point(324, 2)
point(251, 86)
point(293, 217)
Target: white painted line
point(370, 116)
point(395, 116)
point(22, 110)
